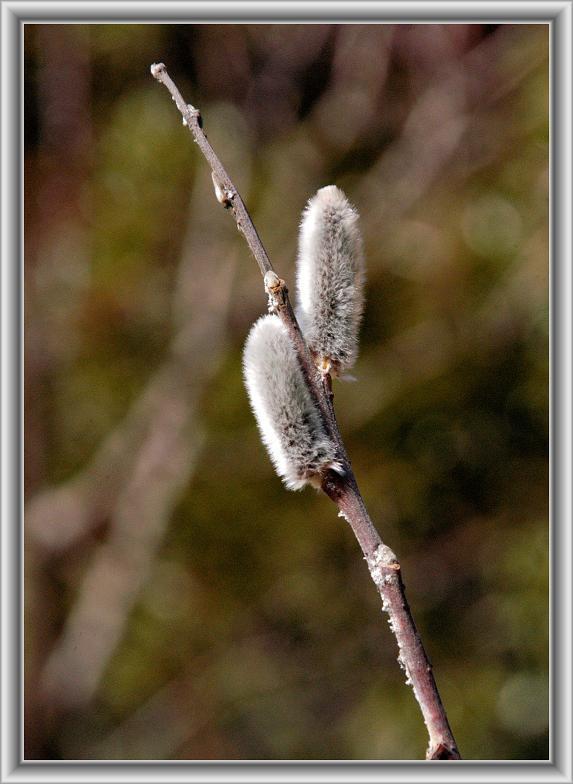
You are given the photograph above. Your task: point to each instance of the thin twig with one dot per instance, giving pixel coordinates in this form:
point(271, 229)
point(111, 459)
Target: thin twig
point(343, 490)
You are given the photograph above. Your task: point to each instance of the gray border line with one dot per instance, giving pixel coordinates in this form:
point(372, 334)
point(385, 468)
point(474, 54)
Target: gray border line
point(14, 14)
point(289, 11)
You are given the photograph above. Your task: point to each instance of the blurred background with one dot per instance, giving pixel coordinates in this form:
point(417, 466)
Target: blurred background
point(179, 603)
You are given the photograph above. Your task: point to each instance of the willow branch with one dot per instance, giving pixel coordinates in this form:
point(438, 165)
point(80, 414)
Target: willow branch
point(343, 490)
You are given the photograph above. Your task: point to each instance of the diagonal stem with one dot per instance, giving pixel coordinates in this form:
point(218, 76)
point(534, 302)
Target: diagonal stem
point(343, 490)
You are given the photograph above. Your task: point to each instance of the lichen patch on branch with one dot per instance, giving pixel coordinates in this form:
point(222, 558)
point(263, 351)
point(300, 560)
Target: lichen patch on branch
point(383, 565)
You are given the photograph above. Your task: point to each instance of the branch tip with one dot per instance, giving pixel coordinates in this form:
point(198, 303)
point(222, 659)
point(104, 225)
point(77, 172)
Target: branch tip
point(157, 70)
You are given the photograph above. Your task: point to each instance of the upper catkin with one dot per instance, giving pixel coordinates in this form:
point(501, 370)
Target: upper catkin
point(330, 278)
point(289, 423)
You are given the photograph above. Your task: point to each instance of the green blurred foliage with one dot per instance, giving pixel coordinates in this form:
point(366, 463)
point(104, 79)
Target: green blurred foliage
point(257, 633)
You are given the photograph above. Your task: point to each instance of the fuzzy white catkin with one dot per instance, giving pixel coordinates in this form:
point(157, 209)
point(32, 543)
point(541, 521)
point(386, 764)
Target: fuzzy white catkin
point(330, 278)
point(289, 423)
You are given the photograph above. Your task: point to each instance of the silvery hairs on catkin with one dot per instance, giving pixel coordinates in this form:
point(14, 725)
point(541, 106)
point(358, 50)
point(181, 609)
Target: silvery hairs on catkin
point(290, 425)
point(330, 278)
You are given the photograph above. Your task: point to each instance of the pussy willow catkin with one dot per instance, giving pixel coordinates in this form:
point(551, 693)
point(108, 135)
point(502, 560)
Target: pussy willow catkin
point(330, 278)
point(289, 423)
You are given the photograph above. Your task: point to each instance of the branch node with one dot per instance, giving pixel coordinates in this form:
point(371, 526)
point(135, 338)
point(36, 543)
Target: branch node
point(276, 289)
point(325, 366)
point(272, 282)
point(223, 195)
point(194, 114)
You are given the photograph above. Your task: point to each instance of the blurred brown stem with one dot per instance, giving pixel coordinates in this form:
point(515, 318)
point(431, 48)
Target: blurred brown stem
point(343, 490)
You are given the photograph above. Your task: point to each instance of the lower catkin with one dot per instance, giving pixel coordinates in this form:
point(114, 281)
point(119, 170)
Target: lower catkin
point(289, 423)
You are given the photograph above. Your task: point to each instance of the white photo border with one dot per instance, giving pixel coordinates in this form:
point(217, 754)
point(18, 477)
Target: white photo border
point(558, 15)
